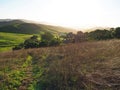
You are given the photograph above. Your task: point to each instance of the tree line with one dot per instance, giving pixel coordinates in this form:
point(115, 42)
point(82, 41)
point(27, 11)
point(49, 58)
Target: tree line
point(48, 39)
point(104, 34)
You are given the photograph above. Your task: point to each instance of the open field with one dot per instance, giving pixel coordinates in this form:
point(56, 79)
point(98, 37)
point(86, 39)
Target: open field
point(83, 66)
point(8, 40)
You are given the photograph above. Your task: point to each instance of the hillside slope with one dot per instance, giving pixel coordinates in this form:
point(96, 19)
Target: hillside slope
point(20, 26)
point(12, 32)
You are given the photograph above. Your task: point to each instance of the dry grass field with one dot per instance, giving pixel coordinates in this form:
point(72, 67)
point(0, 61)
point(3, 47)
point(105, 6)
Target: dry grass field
point(83, 66)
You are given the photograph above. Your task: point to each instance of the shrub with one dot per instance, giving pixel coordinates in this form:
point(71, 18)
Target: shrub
point(30, 43)
point(47, 36)
point(44, 43)
point(55, 42)
point(20, 46)
point(117, 32)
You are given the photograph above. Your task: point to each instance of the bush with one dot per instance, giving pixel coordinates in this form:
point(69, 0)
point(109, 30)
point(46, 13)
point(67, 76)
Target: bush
point(20, 46)
point(30, 43)
point(55, 42)
point(43, 43)
point(117, 32)
point(47, 36)
point(100, 35)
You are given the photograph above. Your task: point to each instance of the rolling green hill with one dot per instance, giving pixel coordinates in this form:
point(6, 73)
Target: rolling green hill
point(13, 32)
point(19, 26)
point(5, 22)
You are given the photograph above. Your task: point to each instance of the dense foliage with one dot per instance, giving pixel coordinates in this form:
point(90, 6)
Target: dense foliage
point(100, 34)
point(103, 34)
point(47, 39)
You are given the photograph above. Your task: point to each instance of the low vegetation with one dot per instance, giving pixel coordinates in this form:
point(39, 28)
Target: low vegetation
point(82, 66)
point(8, 40)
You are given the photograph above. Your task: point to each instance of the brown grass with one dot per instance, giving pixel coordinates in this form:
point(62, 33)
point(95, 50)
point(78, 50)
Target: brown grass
point(83, 66)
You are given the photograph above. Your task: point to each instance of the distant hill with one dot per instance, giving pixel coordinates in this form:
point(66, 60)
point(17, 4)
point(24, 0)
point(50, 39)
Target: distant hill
point(5, 22)
point(22, 27)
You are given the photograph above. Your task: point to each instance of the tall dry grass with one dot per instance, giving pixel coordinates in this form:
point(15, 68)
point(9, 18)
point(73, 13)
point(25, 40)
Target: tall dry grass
point(82, 66)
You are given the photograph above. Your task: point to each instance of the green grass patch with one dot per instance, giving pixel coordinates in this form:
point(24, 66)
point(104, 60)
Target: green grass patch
point(8, 40)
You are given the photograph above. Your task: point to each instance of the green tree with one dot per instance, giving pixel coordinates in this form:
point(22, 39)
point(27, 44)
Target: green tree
point(100, 34)
point(112, 31)
point(47, 36)
point(46, 39)
point(33, 42)
point(44, 43)
point(117, 32)
point(55, 42)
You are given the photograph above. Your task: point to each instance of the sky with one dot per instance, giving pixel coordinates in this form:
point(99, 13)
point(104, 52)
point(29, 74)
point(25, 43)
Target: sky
point(69, 13)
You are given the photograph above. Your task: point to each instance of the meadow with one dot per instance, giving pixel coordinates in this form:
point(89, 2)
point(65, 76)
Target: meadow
point(91, 65)
point(9, 40)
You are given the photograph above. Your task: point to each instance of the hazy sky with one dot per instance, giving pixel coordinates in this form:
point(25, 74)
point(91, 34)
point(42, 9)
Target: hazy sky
point(70, 13)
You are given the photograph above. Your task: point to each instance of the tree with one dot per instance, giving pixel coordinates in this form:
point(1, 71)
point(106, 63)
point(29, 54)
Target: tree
point(43, 44)
point(100, 34)
point(112, 31)
point(33, 42)
point(55, 42)
point(29, 43)
point(70, 38)
point(18, 47)
point(117, 32)
point(47, 36)
point(80, 37)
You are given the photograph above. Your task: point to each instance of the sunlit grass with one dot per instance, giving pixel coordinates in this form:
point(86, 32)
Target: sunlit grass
point(4, 49)
point(8, 40)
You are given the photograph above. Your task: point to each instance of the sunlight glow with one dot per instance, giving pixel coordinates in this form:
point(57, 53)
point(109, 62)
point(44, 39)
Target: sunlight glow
point(70, 13)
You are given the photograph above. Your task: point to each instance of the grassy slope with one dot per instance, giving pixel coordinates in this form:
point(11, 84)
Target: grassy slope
point(18, 26)
point(84, 66)
point(16, 31)
point(8, 40)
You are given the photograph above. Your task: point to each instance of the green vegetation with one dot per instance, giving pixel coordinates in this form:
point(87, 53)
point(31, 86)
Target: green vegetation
point(117, 32)
point(84, 66)
point(14, 32)
point(8, 40)
point(18, 26)
point(14, 75)
point(79, 65)
point(44, 40)
point(49, 39)
point(103, 34)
